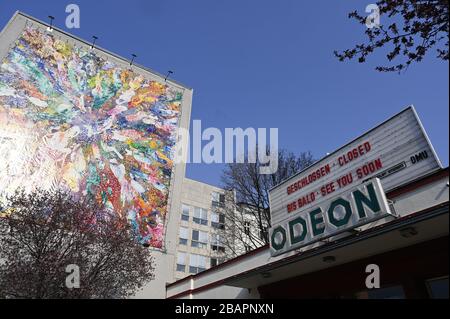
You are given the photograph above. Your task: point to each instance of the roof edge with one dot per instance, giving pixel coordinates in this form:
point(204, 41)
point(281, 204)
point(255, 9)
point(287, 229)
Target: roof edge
point(99, 48)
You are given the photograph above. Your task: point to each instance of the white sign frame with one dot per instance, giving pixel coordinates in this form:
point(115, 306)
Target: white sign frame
point(371, 189)
point(396, 151)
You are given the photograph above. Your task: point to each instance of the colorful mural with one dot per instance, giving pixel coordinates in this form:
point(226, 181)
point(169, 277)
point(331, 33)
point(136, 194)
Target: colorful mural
point(72, 119)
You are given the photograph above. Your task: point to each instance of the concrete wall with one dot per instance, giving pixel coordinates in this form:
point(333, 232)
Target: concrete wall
point(165, 259)
point(197, 194)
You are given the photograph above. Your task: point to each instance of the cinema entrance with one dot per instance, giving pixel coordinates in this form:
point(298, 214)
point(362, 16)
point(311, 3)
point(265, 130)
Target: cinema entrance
point(416, 271)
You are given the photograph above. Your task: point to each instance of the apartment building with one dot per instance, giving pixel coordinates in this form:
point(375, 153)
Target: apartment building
point(199, 244)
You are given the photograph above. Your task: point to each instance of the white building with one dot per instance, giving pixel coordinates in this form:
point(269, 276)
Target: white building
point(245, 230)
point(199, 245)
point(193, 243)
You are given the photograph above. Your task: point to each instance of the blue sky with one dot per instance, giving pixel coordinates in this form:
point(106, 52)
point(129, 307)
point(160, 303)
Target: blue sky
point(263, 64)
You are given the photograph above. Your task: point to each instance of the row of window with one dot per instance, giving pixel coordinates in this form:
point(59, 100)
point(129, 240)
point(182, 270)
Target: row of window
point(197, 263)
point(200, 239)
point(200, 216)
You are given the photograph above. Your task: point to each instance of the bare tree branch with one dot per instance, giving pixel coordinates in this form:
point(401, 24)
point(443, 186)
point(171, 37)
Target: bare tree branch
point(247, 211)
point(416, 27)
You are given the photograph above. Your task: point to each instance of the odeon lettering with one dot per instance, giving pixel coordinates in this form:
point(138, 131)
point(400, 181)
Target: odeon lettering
point(360, 206)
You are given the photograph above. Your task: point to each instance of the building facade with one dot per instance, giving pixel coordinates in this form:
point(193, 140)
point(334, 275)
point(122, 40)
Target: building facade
point(80, 118)
point(188, 237)
point(247, 229)
point(202, 221)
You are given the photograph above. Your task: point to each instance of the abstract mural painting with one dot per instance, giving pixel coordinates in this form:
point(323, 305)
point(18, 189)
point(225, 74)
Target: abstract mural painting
point(74, 120)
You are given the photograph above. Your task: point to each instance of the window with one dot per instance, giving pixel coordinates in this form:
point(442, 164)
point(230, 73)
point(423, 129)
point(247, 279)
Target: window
point(184, 233)
point(216, 261)
point(185, 212)
point(217, 220)
point(217, 199)
point(220, 249)
point(216, 243)
point(181, 262)
point(197, 263)
point(200, 216)
point(215, 239)
point(181, 268)
point(199, 239)
point(263, 233)
point(438, 288)
point(214, 220)
point(247, 228)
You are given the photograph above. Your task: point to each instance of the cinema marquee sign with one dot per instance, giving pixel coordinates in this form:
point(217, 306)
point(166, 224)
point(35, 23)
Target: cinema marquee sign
point(347, 188)
point(357, 207)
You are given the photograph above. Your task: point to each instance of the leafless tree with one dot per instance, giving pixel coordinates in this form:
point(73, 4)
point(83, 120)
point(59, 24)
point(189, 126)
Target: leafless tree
point(44, 232)
point(246, 209)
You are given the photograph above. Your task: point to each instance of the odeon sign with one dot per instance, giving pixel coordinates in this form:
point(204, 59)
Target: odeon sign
point(346, 188)
point(358, 206)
